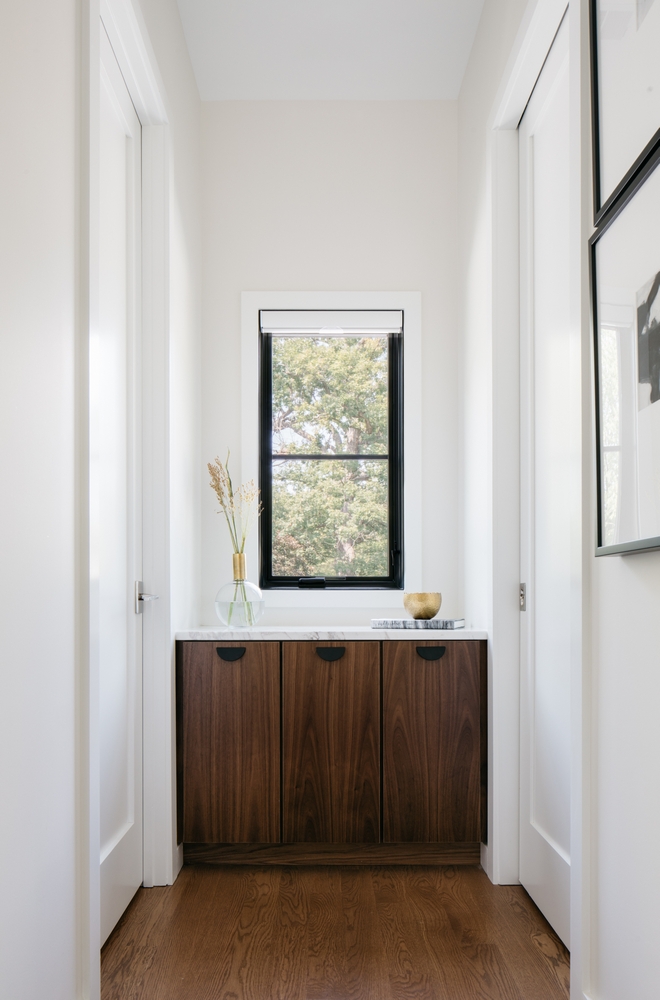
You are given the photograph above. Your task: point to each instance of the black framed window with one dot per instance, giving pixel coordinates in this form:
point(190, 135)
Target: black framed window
point(331, 449)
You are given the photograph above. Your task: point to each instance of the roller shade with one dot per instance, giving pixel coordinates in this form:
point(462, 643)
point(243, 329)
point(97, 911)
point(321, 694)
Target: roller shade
point(331, 322)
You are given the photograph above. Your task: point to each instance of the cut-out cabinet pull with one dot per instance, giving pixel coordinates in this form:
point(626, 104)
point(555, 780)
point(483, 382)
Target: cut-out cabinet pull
point(431, 652)
point(230, 653)
point(330, 653)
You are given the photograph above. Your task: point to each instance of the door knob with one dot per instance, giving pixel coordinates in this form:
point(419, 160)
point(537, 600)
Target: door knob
point(141, 597)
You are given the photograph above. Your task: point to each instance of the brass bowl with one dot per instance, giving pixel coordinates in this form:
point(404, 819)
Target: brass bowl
point(423, 606)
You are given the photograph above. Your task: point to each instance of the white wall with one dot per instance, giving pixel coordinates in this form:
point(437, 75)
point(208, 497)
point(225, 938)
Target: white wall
point(347, 196)
point(38, 63)
point(621, 690)
point(179, 408)
point(44, 921)
point(625, 790)
point(617, 797)
point(492, 47)
point(489, 560)
point(184, 117)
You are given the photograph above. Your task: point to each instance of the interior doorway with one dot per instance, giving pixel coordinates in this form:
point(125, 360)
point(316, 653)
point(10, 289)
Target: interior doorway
point(115, 472)
point(550, 488)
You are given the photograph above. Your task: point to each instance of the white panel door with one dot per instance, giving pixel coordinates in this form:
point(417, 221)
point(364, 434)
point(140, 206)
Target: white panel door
point(115, 423)
point(550, 435)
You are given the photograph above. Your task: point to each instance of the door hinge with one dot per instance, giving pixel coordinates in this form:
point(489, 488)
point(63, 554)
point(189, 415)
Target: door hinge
point(522, 596)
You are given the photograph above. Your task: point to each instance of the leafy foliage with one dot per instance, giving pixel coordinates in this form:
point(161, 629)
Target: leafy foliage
point(330, 395)
point(330, 517)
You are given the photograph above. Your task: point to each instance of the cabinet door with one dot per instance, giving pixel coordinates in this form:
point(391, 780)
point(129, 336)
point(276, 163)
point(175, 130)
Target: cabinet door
point(229, 742)
point(431, 742)
point(331, 742)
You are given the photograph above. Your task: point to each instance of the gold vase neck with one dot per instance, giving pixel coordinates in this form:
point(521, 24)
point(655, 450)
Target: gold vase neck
point(239, 565)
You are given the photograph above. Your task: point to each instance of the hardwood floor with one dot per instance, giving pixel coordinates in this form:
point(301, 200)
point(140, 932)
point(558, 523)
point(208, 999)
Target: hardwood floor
point(249, 933)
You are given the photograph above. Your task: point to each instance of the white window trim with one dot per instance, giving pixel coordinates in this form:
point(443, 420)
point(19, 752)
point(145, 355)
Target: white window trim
point(411, 303)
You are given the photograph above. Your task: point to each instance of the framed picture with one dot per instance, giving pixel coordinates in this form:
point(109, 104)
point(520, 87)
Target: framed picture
point(625, 70)
point(625, 275)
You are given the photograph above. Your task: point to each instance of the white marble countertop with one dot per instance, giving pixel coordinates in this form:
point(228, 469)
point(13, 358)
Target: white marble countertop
point(340, 633)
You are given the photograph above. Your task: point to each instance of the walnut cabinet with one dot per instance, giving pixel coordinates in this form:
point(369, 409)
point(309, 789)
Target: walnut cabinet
point(300, 752)
point(228, 741)
point(433, 754)
point(331, 742)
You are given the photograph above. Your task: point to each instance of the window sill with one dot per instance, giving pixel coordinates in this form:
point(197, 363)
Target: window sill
point(333, 598)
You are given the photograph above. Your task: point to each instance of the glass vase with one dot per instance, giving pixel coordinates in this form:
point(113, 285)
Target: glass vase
point(239, 604)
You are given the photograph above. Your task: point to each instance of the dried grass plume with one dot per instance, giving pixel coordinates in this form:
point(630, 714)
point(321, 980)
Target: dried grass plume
point(240, 507)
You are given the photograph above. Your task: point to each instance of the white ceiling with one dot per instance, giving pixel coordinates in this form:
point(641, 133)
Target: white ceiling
point(329, 49)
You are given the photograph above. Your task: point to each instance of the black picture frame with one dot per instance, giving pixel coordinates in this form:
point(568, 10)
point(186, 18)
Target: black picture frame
point(634, 189)
point(604, 203)
point(394, 580)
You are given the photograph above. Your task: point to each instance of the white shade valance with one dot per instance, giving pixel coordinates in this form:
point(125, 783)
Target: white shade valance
point(331, 322)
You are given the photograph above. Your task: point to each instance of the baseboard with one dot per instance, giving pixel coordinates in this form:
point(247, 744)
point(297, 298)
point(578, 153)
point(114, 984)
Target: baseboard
point(331, 854)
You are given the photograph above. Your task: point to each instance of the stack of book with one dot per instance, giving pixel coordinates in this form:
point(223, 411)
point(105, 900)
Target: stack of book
point(439, 623)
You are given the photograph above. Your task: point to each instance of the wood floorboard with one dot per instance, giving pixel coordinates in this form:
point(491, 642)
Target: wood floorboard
point(288, 981)
point(462, 960)
point(365, 958)
point(325, 926)
point(333, 933)
point(248, 966)
point(409, 964)
point(483, 955)
point(536, 957)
